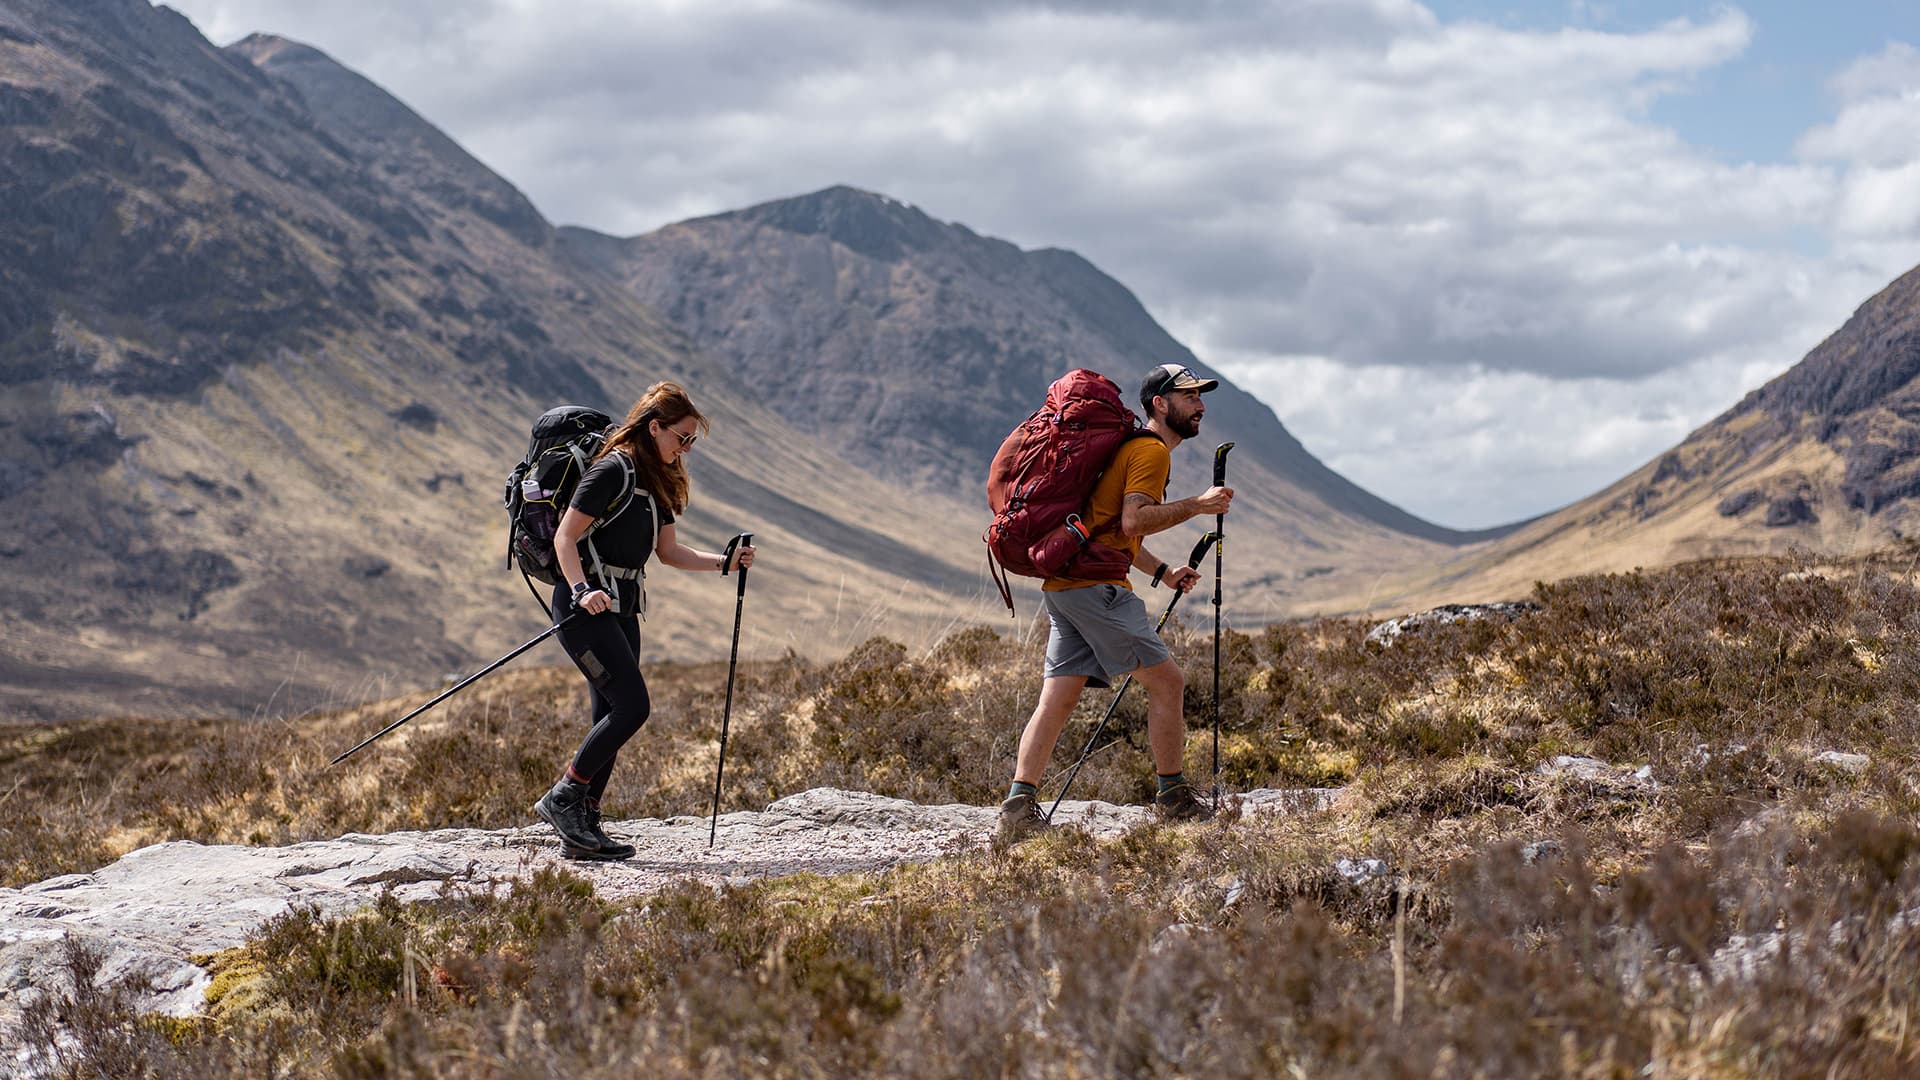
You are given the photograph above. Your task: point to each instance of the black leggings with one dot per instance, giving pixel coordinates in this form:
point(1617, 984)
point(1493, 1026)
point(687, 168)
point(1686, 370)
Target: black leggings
point(606, 649)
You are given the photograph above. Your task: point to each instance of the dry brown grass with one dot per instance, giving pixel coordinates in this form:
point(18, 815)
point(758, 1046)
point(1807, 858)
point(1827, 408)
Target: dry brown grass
point(1756, 913)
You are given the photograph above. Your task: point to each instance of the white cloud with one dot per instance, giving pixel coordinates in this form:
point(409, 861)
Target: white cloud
point(1442, 211)
point(1502, 445)
point(1876, 137)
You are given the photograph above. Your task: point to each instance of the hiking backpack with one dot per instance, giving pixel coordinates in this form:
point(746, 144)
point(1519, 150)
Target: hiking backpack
point(564, 442)
point(1042, 477)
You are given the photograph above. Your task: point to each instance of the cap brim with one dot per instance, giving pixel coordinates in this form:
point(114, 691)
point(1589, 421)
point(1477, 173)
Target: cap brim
point(1202, 385)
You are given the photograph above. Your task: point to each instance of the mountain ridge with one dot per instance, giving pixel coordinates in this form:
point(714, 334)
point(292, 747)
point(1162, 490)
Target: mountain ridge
point(1823, 457)
point(268, 335)
point(265, 362)
point(889, 231)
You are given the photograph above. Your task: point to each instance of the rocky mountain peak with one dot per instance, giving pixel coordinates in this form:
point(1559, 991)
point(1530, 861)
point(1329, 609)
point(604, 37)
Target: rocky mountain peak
point(871, 224)
point(846, 303)
point(378, 129)
point(1857, 392)
point(1874, 356)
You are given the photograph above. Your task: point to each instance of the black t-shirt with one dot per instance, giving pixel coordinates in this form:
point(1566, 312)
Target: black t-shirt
point(627, 539)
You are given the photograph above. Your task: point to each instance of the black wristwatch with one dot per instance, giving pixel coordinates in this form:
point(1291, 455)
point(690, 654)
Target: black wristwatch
point(1158, 574)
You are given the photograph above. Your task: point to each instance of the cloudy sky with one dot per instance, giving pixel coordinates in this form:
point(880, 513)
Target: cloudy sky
point(1482, 257)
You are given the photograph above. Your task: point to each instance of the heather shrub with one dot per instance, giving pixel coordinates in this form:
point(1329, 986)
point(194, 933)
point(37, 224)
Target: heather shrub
point(1724, 676)
point(1235, 949)
point(1712, 897)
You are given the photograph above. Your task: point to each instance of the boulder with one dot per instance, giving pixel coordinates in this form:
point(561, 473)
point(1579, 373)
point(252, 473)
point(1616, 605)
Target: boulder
point(1388, 632)
point(1851, 764)
point(1593, 771)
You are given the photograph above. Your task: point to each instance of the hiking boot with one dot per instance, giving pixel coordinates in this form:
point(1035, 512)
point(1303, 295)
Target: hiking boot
point(1181, 803)
point(609, 847)
point(568, 851)
point(565, 808)
point(1020, 817)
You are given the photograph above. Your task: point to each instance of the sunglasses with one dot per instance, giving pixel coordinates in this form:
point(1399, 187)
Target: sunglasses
point(686, 441)
point(1168, 378)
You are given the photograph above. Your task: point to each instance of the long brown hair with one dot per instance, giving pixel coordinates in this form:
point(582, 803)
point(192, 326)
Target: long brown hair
point(669, 404)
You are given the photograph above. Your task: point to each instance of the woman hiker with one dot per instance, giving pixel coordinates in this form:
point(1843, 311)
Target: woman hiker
point(640, 461)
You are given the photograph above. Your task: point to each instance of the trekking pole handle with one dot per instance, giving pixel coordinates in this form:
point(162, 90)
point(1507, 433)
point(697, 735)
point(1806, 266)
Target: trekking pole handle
point(1200, 550)
point(726, 558)
point(1219, 520)
point(745, 539)
point(1220, 464)
point(1193, 563)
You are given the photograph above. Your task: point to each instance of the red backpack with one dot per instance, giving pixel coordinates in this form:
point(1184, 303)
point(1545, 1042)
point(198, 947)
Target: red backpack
point(1041, 479)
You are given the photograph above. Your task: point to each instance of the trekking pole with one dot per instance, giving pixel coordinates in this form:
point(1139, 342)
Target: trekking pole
point(1219, 551)
point(733, 657)
point(457, 687)
point(1193, 563)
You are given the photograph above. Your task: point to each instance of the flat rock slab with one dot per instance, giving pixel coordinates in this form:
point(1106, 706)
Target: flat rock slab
point(155, 908)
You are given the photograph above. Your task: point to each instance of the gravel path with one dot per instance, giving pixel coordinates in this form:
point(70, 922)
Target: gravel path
point(154, 909)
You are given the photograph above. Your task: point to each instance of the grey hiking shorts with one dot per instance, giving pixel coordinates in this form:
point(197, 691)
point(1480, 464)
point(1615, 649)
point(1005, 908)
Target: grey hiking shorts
point(1100, 631)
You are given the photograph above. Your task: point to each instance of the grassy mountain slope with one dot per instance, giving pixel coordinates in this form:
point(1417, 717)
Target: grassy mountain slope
point(1825, 457)
point(269, 342)
point(912, 346)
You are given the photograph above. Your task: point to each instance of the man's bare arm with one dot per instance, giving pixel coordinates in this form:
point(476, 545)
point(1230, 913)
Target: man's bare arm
point(1145, 561)
point(1140, 515)
point(1178, 577)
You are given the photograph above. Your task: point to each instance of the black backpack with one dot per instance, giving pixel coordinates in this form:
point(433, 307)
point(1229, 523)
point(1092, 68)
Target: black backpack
point(564, 442)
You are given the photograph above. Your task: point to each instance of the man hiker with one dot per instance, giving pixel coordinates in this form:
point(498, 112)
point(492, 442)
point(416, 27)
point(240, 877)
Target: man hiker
point(1100, 630)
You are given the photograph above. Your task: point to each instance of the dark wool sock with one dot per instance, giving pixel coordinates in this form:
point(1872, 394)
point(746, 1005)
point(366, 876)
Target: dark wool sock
point(1021, 787)
point(1170, 781)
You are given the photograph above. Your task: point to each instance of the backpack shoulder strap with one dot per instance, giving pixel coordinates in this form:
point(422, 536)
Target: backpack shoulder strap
point(630, 488)
point(628, 492)
point(628, 484)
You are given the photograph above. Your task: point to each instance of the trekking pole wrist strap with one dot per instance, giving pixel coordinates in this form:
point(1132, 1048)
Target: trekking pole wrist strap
point(1158, 574)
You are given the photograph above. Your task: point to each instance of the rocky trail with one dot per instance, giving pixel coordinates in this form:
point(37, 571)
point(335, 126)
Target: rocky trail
point(152, 911)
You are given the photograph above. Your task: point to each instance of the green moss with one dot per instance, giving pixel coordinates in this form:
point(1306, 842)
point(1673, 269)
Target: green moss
point(181, 1032)
point(239, 983)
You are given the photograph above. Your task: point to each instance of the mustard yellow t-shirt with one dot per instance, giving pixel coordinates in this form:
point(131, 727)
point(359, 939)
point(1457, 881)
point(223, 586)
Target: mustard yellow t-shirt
point(1141, 467)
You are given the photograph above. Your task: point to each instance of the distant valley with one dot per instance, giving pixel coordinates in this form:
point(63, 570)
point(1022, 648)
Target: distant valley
point(270, 341)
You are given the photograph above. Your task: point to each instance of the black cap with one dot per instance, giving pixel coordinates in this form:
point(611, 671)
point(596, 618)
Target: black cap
point(1167, 378)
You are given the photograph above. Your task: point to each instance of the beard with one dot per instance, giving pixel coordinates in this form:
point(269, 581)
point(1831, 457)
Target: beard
point(1187, 426)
